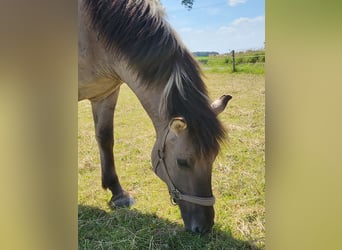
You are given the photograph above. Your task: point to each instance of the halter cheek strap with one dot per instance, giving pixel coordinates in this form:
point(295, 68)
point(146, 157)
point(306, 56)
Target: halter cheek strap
point(175, 194)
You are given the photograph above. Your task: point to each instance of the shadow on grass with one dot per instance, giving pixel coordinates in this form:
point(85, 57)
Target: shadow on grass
point(131, 229)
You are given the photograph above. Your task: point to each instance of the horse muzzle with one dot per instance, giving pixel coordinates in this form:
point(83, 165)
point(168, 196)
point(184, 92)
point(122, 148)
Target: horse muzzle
point(197, 219)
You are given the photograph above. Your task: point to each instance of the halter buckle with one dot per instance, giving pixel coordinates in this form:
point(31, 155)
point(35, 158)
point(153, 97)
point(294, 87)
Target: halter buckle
point(175, 196)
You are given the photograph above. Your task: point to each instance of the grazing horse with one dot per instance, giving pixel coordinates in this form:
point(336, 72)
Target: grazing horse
point(129, 41)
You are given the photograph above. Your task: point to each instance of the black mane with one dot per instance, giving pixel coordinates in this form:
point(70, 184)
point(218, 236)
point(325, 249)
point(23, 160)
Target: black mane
point(138, 31)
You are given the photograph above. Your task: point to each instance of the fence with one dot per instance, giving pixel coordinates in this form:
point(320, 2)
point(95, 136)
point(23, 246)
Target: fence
point(233, 59)
point(253, 58)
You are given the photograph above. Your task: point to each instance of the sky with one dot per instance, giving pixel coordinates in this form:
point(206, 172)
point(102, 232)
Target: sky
point(219, 25)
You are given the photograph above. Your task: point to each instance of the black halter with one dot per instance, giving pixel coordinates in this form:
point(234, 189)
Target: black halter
point(175, 194)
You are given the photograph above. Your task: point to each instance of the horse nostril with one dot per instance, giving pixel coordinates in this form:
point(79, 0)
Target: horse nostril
point(197, 230)
point(200, 230)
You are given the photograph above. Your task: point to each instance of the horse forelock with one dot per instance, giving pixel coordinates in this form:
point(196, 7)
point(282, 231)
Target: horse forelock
point(137, 31)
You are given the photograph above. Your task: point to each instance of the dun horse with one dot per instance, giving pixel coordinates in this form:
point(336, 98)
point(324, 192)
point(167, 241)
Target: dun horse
point(129, 41)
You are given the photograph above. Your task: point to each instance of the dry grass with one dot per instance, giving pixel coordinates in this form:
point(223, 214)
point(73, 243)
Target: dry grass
point(153, 223)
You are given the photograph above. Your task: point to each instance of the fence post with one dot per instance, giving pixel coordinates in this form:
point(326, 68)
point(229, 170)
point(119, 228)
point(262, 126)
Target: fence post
point(233, 60)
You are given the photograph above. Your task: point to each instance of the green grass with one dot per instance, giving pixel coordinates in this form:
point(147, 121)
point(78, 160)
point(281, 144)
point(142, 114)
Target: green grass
point(251, 62)
point(153, 223)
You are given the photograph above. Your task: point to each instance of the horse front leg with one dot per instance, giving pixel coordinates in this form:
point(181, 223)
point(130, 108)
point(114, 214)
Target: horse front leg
point(103, 113)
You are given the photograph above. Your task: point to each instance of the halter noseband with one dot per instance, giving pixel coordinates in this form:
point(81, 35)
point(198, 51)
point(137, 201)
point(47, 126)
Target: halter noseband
point(175, 194)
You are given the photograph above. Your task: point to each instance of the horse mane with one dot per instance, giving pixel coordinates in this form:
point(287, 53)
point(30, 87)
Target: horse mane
point(137, 31)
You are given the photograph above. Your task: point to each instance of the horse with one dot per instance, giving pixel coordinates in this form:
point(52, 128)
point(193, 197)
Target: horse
point(130, 41)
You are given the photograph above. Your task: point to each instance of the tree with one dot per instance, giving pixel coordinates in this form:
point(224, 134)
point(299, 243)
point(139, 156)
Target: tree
point(188, 3)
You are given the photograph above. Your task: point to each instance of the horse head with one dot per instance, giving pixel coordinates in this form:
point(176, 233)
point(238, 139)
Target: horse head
point(187, 172)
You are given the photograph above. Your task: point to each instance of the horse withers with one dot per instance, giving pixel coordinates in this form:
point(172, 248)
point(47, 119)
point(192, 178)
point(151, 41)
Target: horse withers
point(129, 41)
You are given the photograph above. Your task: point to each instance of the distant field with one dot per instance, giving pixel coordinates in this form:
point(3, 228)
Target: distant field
point(252, 62)
point(153, 223)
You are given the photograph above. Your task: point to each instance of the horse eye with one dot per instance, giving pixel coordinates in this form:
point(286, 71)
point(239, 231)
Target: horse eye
point(182, 163)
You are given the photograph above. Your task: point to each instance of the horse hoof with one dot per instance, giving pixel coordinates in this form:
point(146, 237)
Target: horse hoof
point(122, 200)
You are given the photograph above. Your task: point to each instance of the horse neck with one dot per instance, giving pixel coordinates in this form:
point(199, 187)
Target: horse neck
point(150, 100)
point(148, 97)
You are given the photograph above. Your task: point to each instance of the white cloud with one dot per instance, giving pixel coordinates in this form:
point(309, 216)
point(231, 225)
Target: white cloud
point(240, 34)
point(236, 2)
point(246, 20)
point(226, 29)
point(243, 25)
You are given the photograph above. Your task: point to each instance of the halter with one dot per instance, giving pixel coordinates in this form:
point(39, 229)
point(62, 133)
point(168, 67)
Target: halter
point(175, 194)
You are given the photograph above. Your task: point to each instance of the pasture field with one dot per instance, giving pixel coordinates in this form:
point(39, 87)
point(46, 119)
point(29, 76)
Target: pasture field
point(153, 223)
point(251, 62)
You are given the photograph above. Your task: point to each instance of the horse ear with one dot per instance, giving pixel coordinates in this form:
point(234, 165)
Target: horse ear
point(178, 125)
point(220, 104)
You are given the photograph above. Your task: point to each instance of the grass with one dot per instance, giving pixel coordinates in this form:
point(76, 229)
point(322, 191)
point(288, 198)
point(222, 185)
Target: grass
point(249, 68)
point(251, 62)
point(153, 223)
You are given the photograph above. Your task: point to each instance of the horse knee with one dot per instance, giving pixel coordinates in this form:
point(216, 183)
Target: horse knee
point(104, 136)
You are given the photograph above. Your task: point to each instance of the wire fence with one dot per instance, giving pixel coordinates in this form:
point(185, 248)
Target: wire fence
point(242, 57)
point(234, 61)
